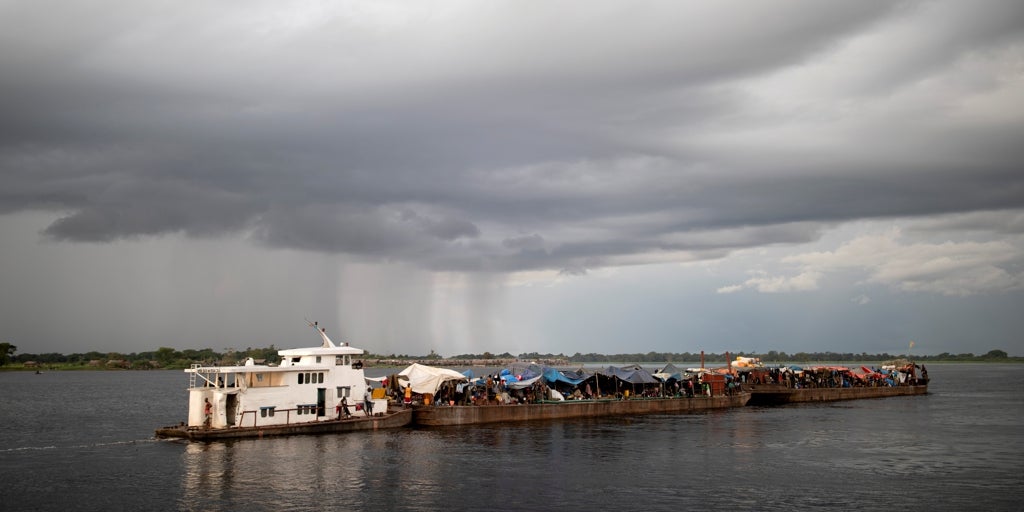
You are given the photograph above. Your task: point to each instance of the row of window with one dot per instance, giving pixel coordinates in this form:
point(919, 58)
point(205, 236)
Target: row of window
point(338, 360)
point(311, 378)
point(300, 409)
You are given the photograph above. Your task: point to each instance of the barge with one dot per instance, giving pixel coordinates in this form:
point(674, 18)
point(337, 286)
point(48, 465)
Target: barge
point(787, 385)
point(455, 415)
point(312, 391)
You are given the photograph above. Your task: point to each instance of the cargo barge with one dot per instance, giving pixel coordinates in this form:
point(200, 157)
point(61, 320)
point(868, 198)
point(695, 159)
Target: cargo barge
point(788, 385)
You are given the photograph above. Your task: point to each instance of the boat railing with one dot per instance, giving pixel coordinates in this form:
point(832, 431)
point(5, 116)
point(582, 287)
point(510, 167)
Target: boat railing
point(287, 418)
point(207, 381)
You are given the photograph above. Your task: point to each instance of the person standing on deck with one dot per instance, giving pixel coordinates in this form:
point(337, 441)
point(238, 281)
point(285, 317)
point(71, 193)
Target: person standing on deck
point(408, 395)
point(368, 402)
point(207, 414)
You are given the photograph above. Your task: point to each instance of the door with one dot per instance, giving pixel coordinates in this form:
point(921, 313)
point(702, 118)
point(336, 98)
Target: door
point(321, 401)
point(232, 406)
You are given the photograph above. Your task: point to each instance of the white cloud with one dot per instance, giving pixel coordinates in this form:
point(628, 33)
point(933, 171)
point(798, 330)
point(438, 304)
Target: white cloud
point(885, 257)
point(805, 281)
point(730, 289)
point(948, 268)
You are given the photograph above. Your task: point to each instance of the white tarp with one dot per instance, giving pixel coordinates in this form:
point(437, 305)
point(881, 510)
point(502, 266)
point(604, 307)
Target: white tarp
point(427, 379)
point(522, 384)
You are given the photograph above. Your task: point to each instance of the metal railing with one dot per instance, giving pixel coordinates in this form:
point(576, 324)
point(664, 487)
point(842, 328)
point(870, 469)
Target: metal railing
point(287, 418)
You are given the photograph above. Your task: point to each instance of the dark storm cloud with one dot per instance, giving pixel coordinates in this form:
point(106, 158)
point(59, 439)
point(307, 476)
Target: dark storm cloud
point(498, 139)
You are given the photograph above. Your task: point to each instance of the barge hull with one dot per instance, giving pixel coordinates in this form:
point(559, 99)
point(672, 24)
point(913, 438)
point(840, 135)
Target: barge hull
point(395, 419)
point(769, 394)
point(438, 416)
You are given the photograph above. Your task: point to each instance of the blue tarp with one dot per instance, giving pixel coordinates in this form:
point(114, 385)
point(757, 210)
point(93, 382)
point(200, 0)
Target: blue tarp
point(523, 371)
point(522, 375)
point(553, 375)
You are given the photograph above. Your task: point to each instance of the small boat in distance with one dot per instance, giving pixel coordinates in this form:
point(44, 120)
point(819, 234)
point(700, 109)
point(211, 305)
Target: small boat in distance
point(302, 395)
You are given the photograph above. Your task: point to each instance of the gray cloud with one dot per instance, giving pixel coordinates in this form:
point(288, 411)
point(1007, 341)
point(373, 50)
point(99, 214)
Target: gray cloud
point(451, 141)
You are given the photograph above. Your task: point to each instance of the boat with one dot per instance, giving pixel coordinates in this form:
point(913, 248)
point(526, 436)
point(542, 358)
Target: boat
point(301, 395)
point(438, 415)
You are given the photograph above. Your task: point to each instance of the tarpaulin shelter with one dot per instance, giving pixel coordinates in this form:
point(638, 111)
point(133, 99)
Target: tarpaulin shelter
point(555, 376)
point(522, 372)
point(633, 374)
point(523, 384)
point(427, 379)
point(669, 372)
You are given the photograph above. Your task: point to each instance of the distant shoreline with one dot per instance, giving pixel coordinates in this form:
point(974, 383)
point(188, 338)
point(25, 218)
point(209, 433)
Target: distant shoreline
point(497, 363)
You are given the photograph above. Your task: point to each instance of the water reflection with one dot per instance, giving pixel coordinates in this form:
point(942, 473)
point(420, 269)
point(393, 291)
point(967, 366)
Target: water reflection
point(803, 456)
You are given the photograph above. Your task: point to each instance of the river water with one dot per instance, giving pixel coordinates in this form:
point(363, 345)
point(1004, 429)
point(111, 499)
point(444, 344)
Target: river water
point(83, 441)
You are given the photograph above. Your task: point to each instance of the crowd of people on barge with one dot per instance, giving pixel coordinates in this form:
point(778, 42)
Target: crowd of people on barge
point(835, 376)
point(528, 386)
point(531, 384)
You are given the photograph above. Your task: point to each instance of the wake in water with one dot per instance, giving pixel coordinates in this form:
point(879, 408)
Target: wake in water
point(74, 447)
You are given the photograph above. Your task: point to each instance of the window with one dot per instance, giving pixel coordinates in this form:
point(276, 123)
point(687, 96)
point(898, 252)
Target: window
point(344, 391)
point(317, 359)
point(300, 378)
point(320, 378)
point(267, 411)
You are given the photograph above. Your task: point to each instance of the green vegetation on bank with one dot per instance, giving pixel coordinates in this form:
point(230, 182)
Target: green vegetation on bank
point(165, 357)
point(774, 356)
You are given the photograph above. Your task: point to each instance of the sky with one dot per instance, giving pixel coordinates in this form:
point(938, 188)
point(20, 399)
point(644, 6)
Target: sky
point(553, 177)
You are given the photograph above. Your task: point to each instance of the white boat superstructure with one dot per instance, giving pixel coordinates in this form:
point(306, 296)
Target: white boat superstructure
point(306, 387)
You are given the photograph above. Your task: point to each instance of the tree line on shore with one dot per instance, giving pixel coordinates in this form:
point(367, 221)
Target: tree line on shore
point(166, 357)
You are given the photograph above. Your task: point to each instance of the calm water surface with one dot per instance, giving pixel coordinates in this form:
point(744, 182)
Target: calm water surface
point(83, 441)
